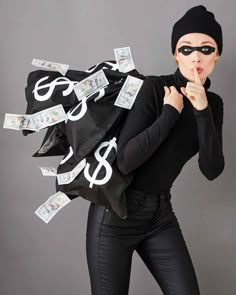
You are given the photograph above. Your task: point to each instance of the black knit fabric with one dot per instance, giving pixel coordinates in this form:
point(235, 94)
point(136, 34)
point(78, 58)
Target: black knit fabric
point(157, 140)
point(197, 20)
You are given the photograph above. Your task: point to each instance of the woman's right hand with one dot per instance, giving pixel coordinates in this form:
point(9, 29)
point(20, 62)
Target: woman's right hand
point(174, 98)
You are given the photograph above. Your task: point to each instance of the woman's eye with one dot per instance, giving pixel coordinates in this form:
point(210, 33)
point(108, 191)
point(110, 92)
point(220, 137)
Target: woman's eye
point(187, 49)
point(205, 49)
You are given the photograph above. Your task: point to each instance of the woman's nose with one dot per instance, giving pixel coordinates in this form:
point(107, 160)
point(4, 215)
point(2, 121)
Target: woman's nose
point(196, 56)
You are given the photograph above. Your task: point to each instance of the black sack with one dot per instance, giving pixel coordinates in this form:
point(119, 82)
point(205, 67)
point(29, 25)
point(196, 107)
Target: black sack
point(84, 134)
point(55, 142)
point(47, 89)
point(99, 181)
point(82, 138)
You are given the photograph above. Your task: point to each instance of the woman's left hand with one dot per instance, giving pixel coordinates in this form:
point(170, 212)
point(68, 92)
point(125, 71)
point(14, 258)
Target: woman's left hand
point(195, 92)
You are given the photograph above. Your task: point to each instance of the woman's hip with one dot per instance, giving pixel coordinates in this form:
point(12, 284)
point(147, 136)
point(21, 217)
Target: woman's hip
point(145, 212)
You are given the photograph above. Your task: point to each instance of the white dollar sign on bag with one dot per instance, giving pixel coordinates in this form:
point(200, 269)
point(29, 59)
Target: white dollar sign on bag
point(83, 110)
point(51, 86)
point(102, 162)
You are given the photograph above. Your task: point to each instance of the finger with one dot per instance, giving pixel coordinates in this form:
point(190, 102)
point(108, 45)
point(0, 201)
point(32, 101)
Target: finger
point(194, 85)
point(191, 95)
point(183, 90)
point(167, 90)
point(173, 89)
point(196, 76)
point(193, 89)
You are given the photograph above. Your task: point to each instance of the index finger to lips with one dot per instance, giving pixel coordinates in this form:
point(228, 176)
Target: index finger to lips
point(196, 76)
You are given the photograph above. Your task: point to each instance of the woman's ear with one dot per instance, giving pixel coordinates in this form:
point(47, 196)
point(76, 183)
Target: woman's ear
point(217, 58)
point(217, 54)
point(175, 58)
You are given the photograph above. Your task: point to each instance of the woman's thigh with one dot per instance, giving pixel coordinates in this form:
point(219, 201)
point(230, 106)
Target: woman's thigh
point(165, 253)
point(109, 257)
point(111, 241)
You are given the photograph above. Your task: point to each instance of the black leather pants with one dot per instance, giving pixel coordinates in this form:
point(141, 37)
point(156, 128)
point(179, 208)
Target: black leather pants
point(151, 229)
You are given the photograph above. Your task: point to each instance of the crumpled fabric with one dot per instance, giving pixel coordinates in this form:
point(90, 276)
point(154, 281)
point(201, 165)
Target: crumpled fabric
point(89, 136)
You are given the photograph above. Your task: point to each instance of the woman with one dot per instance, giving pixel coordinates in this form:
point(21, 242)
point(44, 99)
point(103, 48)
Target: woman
point(173, 118)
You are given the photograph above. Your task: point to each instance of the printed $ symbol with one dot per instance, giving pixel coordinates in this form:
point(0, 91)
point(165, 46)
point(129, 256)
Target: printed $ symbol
point(51, 86)
point(82, 112)
point(102, 162)
point(83, 105)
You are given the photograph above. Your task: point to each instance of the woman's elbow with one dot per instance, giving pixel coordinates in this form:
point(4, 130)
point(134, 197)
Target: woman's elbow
point(121, 164)
point(213, 173)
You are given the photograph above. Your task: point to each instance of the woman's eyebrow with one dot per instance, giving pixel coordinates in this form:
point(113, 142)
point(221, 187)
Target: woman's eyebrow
point(185, 42)
point(188, 42)
point(205, 42)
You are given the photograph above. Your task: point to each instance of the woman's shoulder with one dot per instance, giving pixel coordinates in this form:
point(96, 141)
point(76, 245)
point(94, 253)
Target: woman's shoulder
point(161, 80)
point(216, 103)
point(214, 99)
point(151, 94)
point(157, 83)
point(153, 85)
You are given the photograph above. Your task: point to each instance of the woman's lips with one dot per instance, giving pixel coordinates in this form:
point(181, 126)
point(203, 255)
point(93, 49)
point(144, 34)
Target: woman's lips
point(199, 70)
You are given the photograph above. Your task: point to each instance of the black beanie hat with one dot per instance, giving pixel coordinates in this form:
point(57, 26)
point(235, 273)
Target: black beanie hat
point(197, 20)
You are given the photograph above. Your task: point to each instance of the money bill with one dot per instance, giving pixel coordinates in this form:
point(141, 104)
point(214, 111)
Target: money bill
point(124, 59)
point(91, 84)
point(48, 171)
point(128, 92)
point(58, 67)
point(37, 121)
point(68, 177)
point(49, 117)
point(52, 206)
point(19, 122)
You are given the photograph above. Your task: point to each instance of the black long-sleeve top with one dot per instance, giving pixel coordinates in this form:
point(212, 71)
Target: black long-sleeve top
point(156, 140)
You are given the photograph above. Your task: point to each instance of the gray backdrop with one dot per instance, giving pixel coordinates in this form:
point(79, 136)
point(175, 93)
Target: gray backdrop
point(38, 258)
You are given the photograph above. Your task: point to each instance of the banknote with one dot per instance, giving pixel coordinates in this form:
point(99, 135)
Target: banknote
point(58, 67)
point(124, 59)
point(91, 84)
point(49, 117)
point(49, 171)
point(19, 122)
point(37, 121)
point(128, 92)
point(68, 177)
point(53, 205)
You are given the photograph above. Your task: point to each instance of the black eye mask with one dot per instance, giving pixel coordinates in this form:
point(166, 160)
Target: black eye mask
point(206, 49)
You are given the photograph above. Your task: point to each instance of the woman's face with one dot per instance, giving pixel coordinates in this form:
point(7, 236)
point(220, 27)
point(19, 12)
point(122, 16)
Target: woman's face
point(204, 63)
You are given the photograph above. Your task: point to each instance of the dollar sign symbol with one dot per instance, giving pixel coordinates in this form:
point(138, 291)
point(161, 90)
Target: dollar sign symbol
point(82, 112)
point(51, 86)
point(83, 104)
point(68, 156)
point(110, 65)
point(102, 162)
